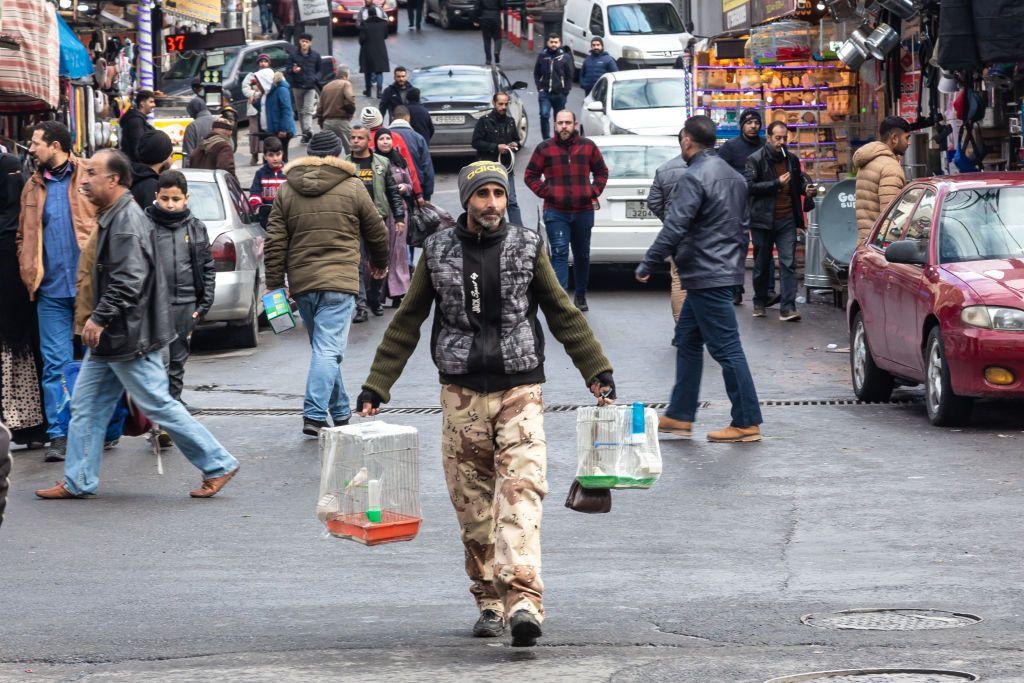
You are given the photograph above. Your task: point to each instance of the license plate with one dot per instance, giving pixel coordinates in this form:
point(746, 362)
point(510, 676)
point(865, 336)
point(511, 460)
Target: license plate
point(449, 120)
point(638, 210)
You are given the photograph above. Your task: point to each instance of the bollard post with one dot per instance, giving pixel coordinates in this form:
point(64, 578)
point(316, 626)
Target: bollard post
point(529, 33)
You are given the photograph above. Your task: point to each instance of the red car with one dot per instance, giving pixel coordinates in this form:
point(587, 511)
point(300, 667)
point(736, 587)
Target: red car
point(343, 13)
point(937, 295)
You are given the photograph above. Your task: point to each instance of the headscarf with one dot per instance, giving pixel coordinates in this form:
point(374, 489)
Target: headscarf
point(394, 156)
point(265, 77)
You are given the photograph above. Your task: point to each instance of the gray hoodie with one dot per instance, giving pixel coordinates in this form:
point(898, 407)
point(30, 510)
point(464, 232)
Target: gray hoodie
point(196, 132)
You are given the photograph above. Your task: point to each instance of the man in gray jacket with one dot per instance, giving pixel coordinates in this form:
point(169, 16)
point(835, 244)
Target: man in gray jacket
point(195, 132)
point(665, 179)
point(704, 233)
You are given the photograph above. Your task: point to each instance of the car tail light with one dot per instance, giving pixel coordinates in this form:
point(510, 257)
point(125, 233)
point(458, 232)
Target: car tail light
point(224, 256)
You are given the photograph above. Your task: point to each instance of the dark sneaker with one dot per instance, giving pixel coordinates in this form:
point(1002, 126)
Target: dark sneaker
point(489, 625)
point(581, 303)
point(773, 300)
point(340, 422)
point(789, 316)
point(57, 450)
point(306, 137)
point(107, 445)
point(737, 299)
point(311, 427)
point(525, 629)
point(758, 311)
point(377, 310)
point(361, 316)
point(164, 439)
point(497, 59)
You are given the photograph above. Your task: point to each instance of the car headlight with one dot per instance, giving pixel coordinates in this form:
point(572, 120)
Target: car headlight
point(632, 53)
point(993, 318)
point(618, 130)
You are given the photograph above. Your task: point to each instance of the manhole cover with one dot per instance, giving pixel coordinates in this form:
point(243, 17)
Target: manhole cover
point(878, 676)
point(889, 620)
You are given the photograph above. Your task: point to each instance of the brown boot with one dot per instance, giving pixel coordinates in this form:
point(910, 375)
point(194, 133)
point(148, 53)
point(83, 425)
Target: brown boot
point(667, 425)
point(736, 435)
point(211, 487)
point(58, 492)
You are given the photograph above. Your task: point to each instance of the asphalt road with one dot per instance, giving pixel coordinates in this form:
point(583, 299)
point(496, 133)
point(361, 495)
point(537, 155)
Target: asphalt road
point(704, 578)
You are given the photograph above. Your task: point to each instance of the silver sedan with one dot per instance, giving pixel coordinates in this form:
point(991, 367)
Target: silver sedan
point(236, 240)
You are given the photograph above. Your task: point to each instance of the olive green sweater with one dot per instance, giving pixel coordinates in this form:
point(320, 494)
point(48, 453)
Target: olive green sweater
point(568, 325)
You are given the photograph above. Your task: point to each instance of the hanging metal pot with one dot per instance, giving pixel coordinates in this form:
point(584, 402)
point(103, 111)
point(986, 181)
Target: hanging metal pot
point(904, 9)
point(859, 36)
point(852, 54)
point(882, 41)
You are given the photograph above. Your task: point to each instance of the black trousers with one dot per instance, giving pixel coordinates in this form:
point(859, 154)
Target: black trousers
point(178, 350)
point(491, 30)
point(414, 11)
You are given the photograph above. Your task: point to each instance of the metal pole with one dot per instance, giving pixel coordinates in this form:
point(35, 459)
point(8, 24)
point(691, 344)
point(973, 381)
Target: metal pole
point(814, 270)
point(145, 31)
point(157, 21)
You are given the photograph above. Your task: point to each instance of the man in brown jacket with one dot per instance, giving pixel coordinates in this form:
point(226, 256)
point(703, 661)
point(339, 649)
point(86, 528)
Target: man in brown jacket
point(215, 152)
point(55, 223)
point(337, 106)
point(314, 230)
point(880, 176)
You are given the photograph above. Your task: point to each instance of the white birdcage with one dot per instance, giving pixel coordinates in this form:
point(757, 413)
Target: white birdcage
point(370, 482)
point(617, 447)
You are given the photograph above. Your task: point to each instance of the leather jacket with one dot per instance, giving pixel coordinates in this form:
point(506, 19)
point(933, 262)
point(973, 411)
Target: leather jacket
point(763, 185)
point(493, 130)
point(201, 271)
point(705, 228)
point(129, 291)
point(665, 179)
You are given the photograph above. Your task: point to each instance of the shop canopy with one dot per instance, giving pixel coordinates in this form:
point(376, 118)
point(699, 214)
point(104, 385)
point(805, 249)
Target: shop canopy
point(29, 79)
point(74, 57)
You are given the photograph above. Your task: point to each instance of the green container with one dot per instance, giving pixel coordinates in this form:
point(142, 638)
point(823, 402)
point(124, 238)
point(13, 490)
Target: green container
point(613, 482)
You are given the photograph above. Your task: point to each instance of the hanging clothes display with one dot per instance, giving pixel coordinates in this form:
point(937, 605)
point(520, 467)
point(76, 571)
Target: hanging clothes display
point(29, 75)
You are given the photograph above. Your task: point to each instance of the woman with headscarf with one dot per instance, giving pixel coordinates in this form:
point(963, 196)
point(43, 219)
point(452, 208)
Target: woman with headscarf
point(398, 268)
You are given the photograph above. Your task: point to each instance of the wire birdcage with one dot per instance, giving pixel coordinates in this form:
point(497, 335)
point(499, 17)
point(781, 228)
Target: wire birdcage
point(617, 447)
point(369, 482)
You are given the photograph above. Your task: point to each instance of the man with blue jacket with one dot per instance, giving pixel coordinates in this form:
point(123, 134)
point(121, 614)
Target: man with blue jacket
point(277, 118)
point(597, 64)
point(552, 75)
point(303, 74)
point(705, 234)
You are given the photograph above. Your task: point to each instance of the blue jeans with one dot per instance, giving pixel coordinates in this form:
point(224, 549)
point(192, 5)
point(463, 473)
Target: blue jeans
point(56, 345)
point(328, 317)
point(374, 79)
point(565, 229)
point(550, 105)
point(97, 391)
point(708, 318)
point(266, 18)
point(782, 237)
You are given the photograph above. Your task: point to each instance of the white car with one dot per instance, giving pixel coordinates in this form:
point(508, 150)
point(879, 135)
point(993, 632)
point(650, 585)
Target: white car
point(643, 102)
point(638, 34)
point(624, 228)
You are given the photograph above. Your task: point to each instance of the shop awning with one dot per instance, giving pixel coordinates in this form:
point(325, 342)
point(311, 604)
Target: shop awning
point(74, 57)
point(203, 11)
point(29, 77)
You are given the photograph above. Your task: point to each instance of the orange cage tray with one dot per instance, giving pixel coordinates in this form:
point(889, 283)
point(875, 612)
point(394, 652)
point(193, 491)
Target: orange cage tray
point(392, 527)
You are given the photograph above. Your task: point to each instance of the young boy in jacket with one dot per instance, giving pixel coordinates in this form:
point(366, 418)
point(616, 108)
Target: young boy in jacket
point(184, 250)
point(268, 179)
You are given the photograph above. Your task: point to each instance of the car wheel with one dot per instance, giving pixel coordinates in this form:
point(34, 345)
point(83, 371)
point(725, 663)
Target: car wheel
point(443, 17)
point(870, 383)
point(944, 407)
point(246, 333)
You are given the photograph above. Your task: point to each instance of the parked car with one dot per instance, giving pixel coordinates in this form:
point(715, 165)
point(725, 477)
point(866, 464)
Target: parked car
point(449, 14)
point(236, 240)
point(936, 295)
point(624, 228)
point(644, 102)
point(239, 62)
point(638, 35)
point(343, 13)
point(457, 96)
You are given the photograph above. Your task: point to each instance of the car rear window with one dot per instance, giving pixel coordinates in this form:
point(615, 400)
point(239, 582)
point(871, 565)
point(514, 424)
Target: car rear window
point(644, 18)
point(982, 224)
point(205, 202)
point(636, 162)
point(440, 85)
point(648, 94)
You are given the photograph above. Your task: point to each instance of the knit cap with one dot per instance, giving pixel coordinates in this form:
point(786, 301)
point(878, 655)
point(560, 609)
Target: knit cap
point(748, 114)
point(480, 173)
point(324, 144)
point(371, 117)
point(155, 147)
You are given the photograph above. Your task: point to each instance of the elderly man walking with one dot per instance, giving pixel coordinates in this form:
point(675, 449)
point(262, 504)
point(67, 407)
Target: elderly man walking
point(489, 350)
point(126, 325)
point(705, 234)
point(320, 216)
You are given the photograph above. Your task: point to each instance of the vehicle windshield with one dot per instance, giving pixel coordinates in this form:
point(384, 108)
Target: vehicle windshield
point(636, 162)
point(982, 224)
point(189, 63)
point(646, 18)
point(652, 94)
point(204, 201)
point(447, 85)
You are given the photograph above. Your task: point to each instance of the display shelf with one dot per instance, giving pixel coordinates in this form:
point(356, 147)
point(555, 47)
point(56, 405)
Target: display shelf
point(796, 106)
point(776, 67)
point(730, 90)
point(811, 144)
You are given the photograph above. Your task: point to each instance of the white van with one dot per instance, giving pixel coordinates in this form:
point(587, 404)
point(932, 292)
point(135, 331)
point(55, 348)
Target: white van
point(638, 34)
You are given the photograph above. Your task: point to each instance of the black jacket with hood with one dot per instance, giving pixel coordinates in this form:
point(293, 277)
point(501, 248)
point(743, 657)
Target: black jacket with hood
point(763, 185)
point(133, 124)
point(144, 182)
point(202, 271)
point(553, 71)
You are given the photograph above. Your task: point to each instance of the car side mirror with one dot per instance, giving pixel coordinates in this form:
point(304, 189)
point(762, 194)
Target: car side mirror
point(596, 105)
point(519, 85)
point(911, 252)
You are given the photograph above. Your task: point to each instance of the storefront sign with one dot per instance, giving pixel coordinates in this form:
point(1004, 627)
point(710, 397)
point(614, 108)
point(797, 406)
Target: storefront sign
point(311, 10)
point(736, 15)
point(910, 94)
point(771, 9)
point(203, 11)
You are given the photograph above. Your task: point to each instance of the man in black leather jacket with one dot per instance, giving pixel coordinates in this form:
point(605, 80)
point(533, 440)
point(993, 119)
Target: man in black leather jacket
point(125, 332)
point(705, 235)
point(496, 138)
point(777, 189)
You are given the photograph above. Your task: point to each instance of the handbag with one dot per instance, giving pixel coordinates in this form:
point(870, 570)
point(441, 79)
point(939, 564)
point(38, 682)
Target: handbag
point(589, 501)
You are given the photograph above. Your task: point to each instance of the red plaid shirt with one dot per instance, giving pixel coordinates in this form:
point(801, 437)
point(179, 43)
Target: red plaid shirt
point(566, 168)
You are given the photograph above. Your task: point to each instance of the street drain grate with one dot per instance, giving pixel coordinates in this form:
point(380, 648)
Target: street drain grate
point(889, 620)
point(878, 676)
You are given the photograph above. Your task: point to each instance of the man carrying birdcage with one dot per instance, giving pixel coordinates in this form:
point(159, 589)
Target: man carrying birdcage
point(489, 278)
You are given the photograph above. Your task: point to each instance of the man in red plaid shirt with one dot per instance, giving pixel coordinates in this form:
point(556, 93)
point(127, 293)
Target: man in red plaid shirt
point(574, 175)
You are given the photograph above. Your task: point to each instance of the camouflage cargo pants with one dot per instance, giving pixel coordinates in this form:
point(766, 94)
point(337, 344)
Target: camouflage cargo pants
point(495, 458)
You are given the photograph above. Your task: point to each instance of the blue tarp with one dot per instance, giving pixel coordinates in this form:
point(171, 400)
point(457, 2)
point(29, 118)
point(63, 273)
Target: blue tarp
point(74, 57)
